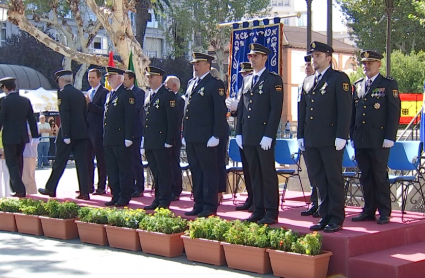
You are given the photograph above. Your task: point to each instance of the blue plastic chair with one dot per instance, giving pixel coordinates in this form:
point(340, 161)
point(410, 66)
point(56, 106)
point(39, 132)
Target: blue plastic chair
point(350, 174)
point(404, 159)
point(235, 169)
point(288, 153)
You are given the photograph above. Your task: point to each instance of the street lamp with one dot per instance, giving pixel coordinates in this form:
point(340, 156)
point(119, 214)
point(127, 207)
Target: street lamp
point(389, 8)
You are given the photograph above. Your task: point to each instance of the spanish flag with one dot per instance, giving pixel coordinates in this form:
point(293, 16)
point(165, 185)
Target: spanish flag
point(111, 63)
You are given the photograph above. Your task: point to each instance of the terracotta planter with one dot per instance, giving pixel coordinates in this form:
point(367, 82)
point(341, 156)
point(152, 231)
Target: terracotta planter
point(161, 244)
point(28, 224)
point(123, 238)
point(247, 258)
point(59, 228)
point(92, 233)
point(293, 265)
point(204, 251)
point(7, 222)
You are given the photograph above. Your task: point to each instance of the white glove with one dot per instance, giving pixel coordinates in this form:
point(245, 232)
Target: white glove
point(387, 143)
point(232, 104)
point(239, 141)
point(128, 143)
point(142, 151)
point(143, 142)
point(352, 143)
point(266, 143)
point(340, 143)
point(35, 141)
point(213, 142)
point(67, 141)
point(183, 142)
point(301, 145)
point(167, 145)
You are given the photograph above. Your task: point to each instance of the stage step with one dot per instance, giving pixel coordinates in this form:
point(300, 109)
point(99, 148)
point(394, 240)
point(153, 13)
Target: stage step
point(402, 261)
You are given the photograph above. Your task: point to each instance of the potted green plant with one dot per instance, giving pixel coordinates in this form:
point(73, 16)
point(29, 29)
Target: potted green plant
point(202, 240)
point(28, 221)
point(7, 218)
point(245, 247)
point(292, 255)
point(160, 233)
point(121, 228)
point(60, 219)
point(91, 225)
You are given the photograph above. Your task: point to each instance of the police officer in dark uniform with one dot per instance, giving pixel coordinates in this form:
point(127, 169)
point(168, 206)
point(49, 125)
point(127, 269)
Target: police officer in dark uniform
point(15, 112)
point(232, 105)
point(72, 136)
point(205, 115)
point(374, 124)
point(120, 114)
point(259, 113)
point(324, 111)
point(160, 131)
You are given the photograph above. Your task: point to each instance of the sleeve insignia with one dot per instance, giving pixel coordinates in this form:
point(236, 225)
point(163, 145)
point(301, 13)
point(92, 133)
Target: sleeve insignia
point(395, 93)
point(59, 101)
point(131, 100)
point(345, 86)
point(278, 88)
point(172, 103)
point(221, 92)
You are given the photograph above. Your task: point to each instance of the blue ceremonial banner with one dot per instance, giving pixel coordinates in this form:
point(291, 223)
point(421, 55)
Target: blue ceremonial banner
point(267, 35)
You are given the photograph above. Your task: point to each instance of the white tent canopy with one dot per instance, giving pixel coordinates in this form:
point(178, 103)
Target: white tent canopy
point(41, 99)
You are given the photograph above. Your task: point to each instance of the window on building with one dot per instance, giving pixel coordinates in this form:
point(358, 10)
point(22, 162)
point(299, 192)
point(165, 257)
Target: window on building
point(302, 21)
point(3, 33)
point(280, 2)
point(273, 3)
point(286, 21)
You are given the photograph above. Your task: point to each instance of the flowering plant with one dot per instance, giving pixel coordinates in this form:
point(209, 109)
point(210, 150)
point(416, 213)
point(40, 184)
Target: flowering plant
point(249, 234)
point(94, 215)
point(212, 228)
point(9, 205)
point(163, 221)
point(128, 218)
point(289, 241)
point(32, 207)
point(61, 210)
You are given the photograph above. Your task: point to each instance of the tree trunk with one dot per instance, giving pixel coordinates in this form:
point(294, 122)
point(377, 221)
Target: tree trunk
point(78, 81)
point(142, 17)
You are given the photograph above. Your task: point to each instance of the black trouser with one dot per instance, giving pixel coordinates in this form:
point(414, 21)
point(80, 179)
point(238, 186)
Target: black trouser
point(137, 166)
point(264, 180)
point(95, 149)
point(222, 158)
point(78, 149)
point(120, 175)
point(203, 166)
point(325, 165)
point(313, 197)
point(177, 185)
point(374, 179)
point(14, 160)
point(247, 177)
point(160, 165)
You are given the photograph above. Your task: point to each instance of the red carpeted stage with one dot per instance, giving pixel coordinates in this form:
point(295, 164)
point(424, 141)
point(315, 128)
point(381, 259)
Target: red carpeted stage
point(360, 250)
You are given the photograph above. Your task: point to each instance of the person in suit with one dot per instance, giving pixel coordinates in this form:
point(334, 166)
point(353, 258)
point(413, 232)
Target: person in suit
point(314, 199)
point(160, 136)
point(173, 84)
point(259, 113)
point(373, 130)
point(15, 112)
point(205, 115)
point(72, 136)
point(118, 135)
point(232, 105)
point(136, 158)
point(95, 99)
point(324, 111)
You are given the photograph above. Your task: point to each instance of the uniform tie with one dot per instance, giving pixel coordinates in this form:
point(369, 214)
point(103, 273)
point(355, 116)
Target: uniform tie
point(93, 91)
point(254, 80)
point(112, 95)
point(368, 84)
point(195, 84)
point(317, 79)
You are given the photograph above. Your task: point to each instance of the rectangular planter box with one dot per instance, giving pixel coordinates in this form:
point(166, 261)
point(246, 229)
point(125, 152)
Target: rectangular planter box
point(247, 258)
point(28, 224)
point(59, 228)
point(161, 244)
point(294, 265)
point(123, 238)
point(7, 222)
point(204, 251)
point(92, 233)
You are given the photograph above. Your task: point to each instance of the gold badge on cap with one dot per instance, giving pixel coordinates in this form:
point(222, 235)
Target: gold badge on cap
point(395, 93)
point(172, 103)
point(148, 69)
point(366, 54)
point(221, 92)
point(59, 101)
point(242, 66)
point(278, 88)
point(131, 100)
point(377, 106)
point(345, 86)
point(313, 45)
point(252, 47)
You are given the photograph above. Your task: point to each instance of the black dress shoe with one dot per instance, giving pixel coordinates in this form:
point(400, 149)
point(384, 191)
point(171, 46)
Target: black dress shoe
point(175, 197)
point(152, 206)
point(255, 217)
point(91, 191)
point(206, 213)
point(318, 227)
point(83, 197)
point(137, 194)
point(309, 212)
point(99, 192)
point(316, 214)
point(251, 208)
point(193, 212)
point(20, 195)
point(44, 191)
point(332, 228)
point(383, 220)
point(245, 206)
point(363, 217)
point(111, 203)
point(267, 220)
point(122, 203)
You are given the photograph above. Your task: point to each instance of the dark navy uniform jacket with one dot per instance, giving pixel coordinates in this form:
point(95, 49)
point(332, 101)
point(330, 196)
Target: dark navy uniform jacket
point(96, 110)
